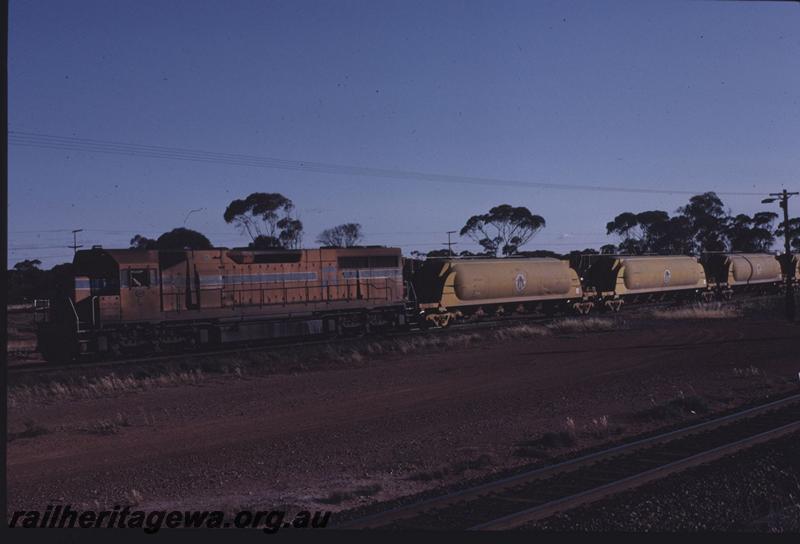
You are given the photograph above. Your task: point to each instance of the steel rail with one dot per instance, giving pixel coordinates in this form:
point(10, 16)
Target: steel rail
point(579, 499)
point(26, 367)
point(493, 488)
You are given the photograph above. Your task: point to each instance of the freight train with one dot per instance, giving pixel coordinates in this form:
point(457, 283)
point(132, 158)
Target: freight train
point(148, 301)
point(140, 301)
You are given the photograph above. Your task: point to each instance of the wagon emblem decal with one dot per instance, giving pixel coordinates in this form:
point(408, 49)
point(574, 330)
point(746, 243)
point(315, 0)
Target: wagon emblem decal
point(520, 282)
point(667, 276)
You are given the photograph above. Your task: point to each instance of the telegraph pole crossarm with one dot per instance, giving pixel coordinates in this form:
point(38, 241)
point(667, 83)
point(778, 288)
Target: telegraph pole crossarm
point(449, 243)
point(75, 245)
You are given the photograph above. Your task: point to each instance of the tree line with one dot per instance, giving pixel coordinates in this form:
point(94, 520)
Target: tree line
point(269, 221)
point(702, 225)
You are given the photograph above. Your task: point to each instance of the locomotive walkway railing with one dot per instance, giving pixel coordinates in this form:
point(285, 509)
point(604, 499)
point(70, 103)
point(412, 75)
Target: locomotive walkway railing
point(260, 295)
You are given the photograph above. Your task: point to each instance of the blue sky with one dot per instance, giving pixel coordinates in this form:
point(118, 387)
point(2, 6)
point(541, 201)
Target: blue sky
point(665, 95)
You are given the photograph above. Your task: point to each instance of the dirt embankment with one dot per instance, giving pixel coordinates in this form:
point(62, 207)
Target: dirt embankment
point(381, 426)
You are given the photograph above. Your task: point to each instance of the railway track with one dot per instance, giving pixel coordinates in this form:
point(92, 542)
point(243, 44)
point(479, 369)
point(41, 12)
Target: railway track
point(43, 367)
point(540, 493)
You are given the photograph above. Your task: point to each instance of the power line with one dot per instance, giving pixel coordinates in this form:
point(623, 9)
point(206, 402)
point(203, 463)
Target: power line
point(38, 231)
point(61, 256)
point(33, 248)
point(49, 141)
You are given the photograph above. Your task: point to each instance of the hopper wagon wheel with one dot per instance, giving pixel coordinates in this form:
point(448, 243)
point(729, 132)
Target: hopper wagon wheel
point(727, 294)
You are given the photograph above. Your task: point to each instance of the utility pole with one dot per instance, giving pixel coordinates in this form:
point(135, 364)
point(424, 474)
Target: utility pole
point(783, 197)
point(449, 243)
point(75, 245)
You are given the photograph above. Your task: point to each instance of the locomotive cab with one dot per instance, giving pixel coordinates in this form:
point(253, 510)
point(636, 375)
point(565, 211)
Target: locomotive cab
point(96, 287)
point(79, 310)
point(109, 287)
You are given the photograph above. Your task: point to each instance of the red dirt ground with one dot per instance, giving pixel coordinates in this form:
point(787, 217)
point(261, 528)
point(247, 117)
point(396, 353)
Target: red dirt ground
point(392, 427)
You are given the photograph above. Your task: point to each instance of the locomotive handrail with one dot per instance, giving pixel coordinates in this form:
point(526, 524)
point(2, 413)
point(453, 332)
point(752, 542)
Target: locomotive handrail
point(77, 319)
point(411, 293)
point(373, 288)
point(255, 293)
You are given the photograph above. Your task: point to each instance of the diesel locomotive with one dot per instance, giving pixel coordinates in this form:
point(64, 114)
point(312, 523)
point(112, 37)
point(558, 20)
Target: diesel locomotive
point(130, 301)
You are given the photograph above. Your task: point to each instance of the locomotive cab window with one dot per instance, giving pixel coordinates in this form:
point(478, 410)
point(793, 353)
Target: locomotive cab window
point(139, 278)
point(104, 286)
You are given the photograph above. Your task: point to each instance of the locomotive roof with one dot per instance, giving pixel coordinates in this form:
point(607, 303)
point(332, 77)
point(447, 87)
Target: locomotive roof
point(148, 256)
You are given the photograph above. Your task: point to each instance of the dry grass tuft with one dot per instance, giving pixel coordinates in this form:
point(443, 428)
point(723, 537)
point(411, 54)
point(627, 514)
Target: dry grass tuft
point(111, 384)
point(569, 436)
point(747, 372)
point(340, 496)
point(584, 324)
point(456, 469)
point(678, 407)
point(133, 498)
point(564, 438)
point(715, 311)
point(108, 426)
point(433, 341)
point(520, 331)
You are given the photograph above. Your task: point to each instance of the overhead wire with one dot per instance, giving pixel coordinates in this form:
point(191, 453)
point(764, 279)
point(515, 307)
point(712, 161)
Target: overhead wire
point(50, 141)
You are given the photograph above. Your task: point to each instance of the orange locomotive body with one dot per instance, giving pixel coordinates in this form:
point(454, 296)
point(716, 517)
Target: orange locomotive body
point(140, 300)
